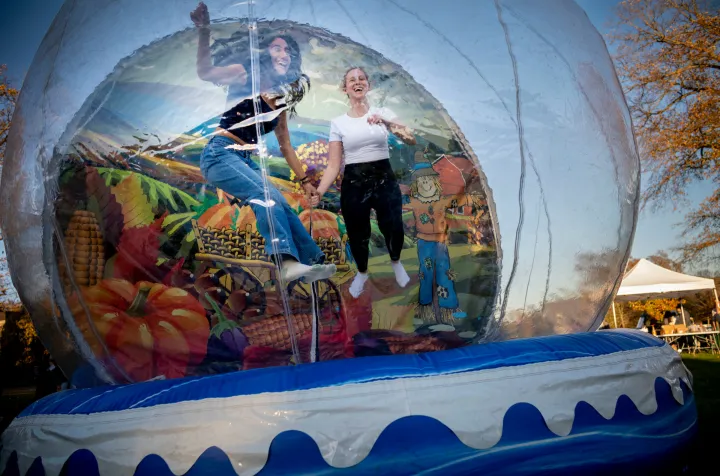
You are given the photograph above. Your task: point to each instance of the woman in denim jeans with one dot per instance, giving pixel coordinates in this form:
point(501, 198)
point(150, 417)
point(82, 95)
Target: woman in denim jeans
point(226, 163)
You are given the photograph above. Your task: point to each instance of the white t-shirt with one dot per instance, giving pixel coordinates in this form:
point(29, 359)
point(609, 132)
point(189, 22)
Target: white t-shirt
point(361, 141)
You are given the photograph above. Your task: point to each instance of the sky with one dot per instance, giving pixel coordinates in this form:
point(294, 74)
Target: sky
point(23, 25)
point(656, 229)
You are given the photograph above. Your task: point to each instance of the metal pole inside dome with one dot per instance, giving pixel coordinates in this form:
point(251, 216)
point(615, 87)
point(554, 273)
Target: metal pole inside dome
point(262, 155)
point(614, 315)
point(314, 341)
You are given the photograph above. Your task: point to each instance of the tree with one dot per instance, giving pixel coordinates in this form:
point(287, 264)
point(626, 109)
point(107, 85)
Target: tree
point(20, 349)
point(8, 97)
point(669, 63)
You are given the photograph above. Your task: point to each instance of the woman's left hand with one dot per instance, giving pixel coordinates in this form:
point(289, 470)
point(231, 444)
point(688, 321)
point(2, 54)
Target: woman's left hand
point(376, 119)
point(200, 16)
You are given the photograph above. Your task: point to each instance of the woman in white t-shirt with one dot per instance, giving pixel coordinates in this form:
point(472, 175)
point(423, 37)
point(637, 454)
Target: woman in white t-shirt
point(361, 136)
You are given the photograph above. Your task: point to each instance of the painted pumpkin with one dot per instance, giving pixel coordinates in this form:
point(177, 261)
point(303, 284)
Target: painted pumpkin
point(149, 329)
point(325, 223)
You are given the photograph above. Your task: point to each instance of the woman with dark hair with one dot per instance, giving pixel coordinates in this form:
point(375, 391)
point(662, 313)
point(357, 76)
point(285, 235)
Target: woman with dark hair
point(226, 162)
point(360, 137)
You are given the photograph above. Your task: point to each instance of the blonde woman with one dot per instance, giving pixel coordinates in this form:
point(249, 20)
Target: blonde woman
point(360, 136)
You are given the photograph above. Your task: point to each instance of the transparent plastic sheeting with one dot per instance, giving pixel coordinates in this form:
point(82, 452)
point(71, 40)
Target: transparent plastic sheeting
point(158, 224)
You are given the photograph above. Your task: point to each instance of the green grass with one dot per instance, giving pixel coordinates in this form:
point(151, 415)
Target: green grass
point(12, 403)
point(705, 369)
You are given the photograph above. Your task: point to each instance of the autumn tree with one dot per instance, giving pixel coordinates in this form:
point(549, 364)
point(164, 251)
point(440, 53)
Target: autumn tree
point(8, 96)
point(668, 59)
point(20, 349)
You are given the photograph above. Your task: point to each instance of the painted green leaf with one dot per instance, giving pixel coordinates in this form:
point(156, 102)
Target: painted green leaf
point(105, 207)
point(157, 192)
point(176, 221)
point(135, 206)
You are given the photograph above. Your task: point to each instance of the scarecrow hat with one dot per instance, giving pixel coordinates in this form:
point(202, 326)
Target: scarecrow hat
point(423, 167)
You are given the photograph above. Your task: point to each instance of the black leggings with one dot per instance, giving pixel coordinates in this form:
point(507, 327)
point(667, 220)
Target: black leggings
point(367, 186)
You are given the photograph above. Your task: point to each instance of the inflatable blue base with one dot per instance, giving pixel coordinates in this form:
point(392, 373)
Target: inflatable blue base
point(630, 442)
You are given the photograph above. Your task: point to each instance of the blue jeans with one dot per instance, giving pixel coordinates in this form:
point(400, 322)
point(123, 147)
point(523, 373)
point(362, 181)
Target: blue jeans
point(435, 263)
point(234, 172)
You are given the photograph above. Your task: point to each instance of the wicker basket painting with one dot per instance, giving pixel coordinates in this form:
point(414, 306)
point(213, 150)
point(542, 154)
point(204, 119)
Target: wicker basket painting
point(246, 247)
point(273, 331)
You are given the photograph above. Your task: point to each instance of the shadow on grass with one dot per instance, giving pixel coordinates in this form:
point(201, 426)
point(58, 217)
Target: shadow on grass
point(705, 369)
point(11, 405)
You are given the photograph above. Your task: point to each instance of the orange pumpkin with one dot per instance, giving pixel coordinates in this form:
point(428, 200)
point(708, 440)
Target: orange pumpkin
point(325, 223)
point(149, 329)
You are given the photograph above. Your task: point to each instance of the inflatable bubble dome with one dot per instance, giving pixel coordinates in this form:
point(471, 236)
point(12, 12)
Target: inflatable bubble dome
point(184, 192)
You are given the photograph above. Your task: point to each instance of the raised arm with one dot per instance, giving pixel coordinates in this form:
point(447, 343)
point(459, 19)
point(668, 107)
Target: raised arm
point(231, 74)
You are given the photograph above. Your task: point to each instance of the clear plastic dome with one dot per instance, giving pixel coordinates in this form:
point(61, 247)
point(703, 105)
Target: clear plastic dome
point(160, 179)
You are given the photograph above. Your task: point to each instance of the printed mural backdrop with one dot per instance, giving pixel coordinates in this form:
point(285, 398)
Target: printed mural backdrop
point(165, 276)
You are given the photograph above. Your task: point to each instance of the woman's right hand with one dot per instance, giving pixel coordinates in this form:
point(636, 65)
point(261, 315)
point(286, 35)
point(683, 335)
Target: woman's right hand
point(200, 16)
point(315, 199)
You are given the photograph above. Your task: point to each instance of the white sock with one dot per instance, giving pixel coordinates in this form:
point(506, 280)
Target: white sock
point(401, 275)
point(358, 284)
point(293, 270)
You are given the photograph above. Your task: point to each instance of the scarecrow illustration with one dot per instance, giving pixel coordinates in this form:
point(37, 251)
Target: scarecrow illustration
point(437, 278)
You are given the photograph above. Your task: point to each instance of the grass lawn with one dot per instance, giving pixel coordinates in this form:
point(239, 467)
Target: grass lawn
point(12, 402)
point(706, 387)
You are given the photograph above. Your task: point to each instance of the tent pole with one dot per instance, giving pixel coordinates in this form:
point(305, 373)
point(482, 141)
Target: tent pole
point(614, 316)
point(717, 302)
point(683, 314)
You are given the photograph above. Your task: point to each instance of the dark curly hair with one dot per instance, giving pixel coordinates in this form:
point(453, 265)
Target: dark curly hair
point(293, 85)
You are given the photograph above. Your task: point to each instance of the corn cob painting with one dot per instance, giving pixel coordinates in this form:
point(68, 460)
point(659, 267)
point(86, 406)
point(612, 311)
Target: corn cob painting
point(84, 254)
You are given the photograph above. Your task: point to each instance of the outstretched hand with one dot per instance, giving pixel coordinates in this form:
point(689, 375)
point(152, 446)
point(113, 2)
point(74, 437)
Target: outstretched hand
point(200, 16)
point(375, 119)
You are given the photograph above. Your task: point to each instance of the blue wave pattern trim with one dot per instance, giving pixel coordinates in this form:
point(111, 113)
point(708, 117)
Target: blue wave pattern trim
point(628, 444)
point(341, 372)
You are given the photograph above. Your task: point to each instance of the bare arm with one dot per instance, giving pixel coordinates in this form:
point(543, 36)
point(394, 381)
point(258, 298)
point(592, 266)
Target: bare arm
point(224, 75)
point(283, 136)
point(400, 130)
point(333, 168)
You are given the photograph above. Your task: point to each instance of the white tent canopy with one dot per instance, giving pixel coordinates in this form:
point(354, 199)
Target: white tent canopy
point(649, 281)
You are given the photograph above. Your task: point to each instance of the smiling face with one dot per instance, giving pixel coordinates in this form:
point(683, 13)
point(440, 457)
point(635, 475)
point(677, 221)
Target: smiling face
point(356, 84)
point(280, 56)
point(427, 186)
